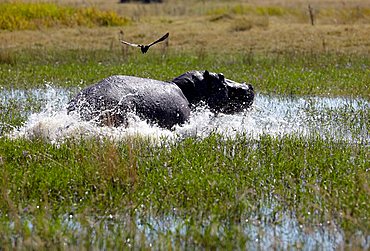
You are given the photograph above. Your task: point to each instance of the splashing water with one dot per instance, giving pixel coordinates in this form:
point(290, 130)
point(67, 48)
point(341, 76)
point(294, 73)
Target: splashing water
point(276, 116)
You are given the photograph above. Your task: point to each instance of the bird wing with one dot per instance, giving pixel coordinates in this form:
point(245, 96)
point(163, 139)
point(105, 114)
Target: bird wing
point(160, 40)
point(130, 44)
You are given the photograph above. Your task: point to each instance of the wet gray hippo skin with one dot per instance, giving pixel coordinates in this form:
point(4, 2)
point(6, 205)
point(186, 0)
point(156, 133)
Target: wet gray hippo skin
point(219, 93)
point(109, 101)
point(164, 103)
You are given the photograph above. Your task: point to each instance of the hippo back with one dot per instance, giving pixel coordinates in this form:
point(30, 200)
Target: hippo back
point(109, 101)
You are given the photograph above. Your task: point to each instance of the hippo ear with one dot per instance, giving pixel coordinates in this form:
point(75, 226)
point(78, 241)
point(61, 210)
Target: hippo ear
point(206, 74)
point(189, 81)
point(221, 77)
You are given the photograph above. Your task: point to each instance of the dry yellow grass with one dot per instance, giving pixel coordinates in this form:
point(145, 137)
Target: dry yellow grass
point(212, 26)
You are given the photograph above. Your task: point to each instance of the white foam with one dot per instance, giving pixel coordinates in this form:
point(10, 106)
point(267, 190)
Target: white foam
point(269, 115)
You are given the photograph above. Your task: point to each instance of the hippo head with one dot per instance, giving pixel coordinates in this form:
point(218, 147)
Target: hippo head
point(198, 86)
point(219, 93)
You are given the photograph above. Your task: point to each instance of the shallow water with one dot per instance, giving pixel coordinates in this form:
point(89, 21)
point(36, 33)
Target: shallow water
point(337, 118)
point(341, 119)
point(259, 230)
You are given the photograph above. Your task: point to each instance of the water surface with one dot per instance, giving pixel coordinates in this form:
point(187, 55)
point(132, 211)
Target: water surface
point(338, 118)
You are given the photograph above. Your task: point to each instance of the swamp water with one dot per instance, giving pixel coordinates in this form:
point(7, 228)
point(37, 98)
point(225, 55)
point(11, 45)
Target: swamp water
point(336, 118)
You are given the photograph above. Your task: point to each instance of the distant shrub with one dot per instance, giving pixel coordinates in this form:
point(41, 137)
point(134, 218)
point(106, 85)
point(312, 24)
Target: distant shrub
point(7, 57)
point(346, 15)
point(241, 25)
point(243, 9)
point(244, 24)
point(271, 11)
point(218, 11)
point(21, 16)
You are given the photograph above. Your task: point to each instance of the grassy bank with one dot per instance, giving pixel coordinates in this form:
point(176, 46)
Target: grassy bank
point(215, 187)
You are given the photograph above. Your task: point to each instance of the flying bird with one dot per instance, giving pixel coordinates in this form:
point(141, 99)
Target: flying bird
point(145, 48)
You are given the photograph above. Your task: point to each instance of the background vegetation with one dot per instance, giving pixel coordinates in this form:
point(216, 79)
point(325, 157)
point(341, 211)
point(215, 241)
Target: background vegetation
point(289, 74)
point(23, 16)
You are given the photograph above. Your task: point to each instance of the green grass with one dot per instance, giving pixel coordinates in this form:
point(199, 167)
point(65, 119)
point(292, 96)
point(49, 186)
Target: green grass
point(23, 16)
point(214, 185)
point(286, 74)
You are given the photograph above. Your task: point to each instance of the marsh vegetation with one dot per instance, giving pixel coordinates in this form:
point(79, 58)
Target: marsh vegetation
point(292, 172)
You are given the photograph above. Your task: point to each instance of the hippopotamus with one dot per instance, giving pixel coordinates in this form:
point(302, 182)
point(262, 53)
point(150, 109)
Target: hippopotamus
point(164, 103)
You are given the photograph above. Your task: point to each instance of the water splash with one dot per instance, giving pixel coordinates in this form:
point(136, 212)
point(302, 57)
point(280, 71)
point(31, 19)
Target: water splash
point(276, 116)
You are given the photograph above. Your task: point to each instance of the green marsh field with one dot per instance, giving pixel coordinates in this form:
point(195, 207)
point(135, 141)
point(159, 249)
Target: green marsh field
point(292, 172)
